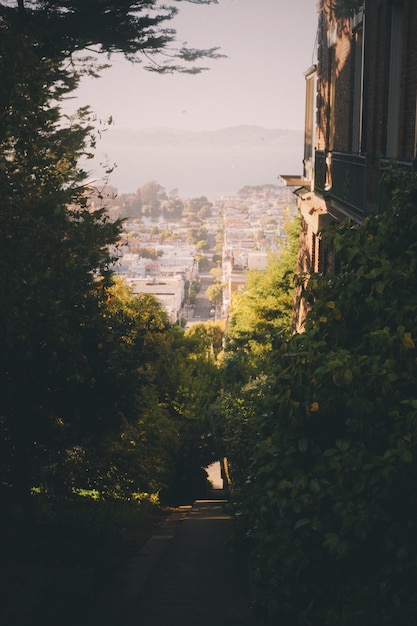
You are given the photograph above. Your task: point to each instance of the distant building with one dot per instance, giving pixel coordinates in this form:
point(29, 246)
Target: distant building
point(169, 291)
point(257, 261)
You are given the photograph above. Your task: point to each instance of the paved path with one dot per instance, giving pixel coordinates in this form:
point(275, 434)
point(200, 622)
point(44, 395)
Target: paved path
point(185, 575)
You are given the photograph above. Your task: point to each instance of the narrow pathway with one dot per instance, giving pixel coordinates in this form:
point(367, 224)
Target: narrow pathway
point(197, 582)
point(193, 579)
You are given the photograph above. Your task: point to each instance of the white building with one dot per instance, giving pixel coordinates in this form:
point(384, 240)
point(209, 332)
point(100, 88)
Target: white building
point(168, 290)
point(257, 260)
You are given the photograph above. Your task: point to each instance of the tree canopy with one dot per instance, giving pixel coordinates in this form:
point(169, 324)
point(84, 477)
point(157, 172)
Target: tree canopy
point(135, 28)
point(68, 334)
point(99, 392)
point(261, 312)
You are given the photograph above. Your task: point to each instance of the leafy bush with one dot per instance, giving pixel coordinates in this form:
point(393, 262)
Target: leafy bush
point(328, 494)
point(54, 572)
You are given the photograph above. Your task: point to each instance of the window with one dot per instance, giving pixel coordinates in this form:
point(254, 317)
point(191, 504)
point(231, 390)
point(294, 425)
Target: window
point(310, 122)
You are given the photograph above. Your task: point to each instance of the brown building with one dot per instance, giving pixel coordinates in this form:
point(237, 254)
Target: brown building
point(361, 108)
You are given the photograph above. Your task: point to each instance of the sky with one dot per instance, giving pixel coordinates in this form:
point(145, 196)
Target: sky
point(269, 44)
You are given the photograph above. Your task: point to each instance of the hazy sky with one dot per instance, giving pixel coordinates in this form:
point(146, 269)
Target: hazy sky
point(269, 44)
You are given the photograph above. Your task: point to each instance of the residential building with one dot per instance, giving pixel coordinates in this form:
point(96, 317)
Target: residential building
point(360, 114)
point(257, 260)
point(169, 291)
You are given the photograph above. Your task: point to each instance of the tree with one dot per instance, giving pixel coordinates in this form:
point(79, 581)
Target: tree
point(173, 209)
point(128, 349)
point(54, 253)
point(202, 245)
point(214, 293)
point(211, 335)
point(195, 205)
point(134, 28)
point(203, 263)
point(204, 212)
point(152, 194)
point(55, 249)
point(197, 234)
point(149, 253)
point(261, 313)
point(193, 379)
point(217, 274)
point(131, 204)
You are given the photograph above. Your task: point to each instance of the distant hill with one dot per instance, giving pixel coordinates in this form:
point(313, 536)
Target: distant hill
point(211, 163)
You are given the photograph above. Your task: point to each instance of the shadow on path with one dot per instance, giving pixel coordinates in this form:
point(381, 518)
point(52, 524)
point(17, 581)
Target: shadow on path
point(185, 574)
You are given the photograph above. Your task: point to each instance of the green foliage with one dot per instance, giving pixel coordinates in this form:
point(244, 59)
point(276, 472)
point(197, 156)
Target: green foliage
point(133, 452)
point(134, 28)
point(202, 245)
point(74, 555)
point(200, 206)
point(54, 256)
point(235, 420)
point(131, 205)
point(79, 357)
point(191, 291)
point(151, 194)
point(203, 263)
point(173, 209)
point(248, 190)
point(193, 380)
point(205, 211)
point(214, 293)
point(210, 335)
point(327, 495)
point(149, 253)
point(217, 274)
point(197, 233)
point(261, 313)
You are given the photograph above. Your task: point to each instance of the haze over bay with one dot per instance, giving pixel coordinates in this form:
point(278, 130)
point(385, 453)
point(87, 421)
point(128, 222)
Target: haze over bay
point(212, 163)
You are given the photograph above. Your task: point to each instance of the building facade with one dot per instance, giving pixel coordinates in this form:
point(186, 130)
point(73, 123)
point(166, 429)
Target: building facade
point(169, 291)
point(360, 114)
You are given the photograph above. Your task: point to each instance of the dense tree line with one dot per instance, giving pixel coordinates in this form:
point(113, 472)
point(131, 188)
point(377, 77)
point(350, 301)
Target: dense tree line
point(85, 401)
point(248, 190)
point(261, 313)
point(152, 200)
point(100, 395)
point(321, 433)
